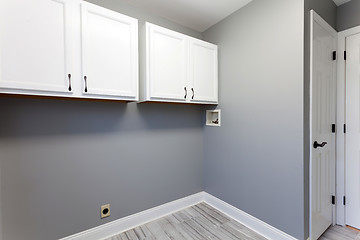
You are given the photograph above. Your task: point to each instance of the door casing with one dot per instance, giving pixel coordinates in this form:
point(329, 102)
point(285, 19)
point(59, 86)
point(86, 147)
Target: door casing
point(341, 120)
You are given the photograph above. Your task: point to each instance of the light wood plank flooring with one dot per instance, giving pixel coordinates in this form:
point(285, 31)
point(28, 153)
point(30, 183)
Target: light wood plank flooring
point(340, 233)
point(199, 222)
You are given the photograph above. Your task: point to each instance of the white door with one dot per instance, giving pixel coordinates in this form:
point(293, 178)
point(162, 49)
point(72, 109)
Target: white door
point(203, 71)
point(323, 116)
point(352, 136)
point(35, 45)
point(167, 64)
point(109, 53)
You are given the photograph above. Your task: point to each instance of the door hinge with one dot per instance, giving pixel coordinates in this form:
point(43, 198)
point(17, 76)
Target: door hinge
point(344, 128)
point(344, 200)
point(334, 55)
point(333, 128)
point(345, 55)
point(333, 200)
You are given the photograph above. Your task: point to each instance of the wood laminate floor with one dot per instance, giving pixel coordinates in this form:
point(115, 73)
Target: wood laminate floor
point(340, 233)
point(199, 222)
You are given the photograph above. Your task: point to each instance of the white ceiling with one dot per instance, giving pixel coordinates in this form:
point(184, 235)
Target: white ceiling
point(339, 2)
point(196, 14)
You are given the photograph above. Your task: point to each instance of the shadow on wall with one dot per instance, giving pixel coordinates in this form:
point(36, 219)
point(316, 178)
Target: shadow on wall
point(25, 117)
point(169, 115)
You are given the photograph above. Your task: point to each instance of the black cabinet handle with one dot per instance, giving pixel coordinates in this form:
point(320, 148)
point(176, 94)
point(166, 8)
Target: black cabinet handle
point(316, 144)
point(192, 89)
point(85, 79)
point(185, 92)
point(69, 76)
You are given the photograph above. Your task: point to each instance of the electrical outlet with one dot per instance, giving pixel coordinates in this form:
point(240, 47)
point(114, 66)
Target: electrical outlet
point(105, 210)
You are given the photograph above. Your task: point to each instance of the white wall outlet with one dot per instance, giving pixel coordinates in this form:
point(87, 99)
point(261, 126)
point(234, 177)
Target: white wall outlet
point(105, 210)
point(213, 117)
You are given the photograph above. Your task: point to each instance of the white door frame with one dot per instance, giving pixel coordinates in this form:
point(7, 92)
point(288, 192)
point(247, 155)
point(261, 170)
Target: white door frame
point(314, 17)
point(341, 120)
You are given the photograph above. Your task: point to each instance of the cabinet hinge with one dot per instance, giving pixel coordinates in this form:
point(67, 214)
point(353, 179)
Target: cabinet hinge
point(334, 55)
point(344, 200)
point(333, 200)
point(333, 128)
point(345, 55)
point(344, 128)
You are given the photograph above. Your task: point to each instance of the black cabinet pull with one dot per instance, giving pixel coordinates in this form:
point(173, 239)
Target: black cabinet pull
point(185, 92)
point(192, 89)
point(69, 76)
point(316, 144)
point(85, 79)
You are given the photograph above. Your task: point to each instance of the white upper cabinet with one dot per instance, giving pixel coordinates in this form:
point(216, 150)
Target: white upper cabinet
point(178, 68)
point(203, 71)
point(109, 52)
point(168, 47)
point(67, 48)
point(35, 45)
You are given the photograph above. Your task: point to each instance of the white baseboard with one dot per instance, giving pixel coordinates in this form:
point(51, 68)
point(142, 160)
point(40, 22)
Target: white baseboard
point(129, 222)
point(249, 221)
point(126, 223)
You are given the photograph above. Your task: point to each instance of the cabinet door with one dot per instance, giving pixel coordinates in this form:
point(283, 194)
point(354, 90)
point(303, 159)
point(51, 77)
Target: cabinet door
point(167, 59)
point(35, 46)
point(109, 53)
point(203, 72)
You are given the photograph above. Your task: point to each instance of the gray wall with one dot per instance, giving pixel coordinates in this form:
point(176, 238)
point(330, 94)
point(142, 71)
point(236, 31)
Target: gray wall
point(143, 16)
point(348, 15)
point(327, 10)
point(255, 160)
point(61, 159)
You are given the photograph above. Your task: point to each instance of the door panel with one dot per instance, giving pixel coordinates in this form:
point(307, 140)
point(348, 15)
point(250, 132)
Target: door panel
point(35, 45)
point(352, 137)
point(323, 116)
point(168, 64)
point(109, 56)
point(203, 71)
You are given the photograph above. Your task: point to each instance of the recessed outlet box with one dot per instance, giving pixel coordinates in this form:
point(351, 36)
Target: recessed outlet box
point(105, 210)
point(213, 117)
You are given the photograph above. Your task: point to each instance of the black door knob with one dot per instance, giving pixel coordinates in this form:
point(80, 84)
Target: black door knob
point(316, 144)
